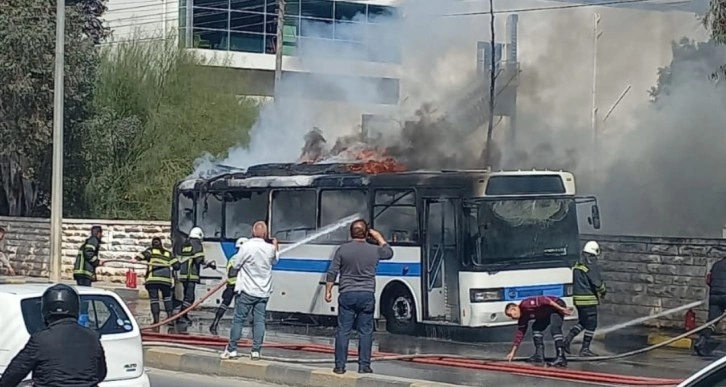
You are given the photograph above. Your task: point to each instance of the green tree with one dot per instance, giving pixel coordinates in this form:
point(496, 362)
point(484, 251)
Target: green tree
point(159, 108)
point(26, 100)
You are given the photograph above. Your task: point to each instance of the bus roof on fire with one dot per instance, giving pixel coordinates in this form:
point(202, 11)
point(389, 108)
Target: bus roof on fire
point(499, 183)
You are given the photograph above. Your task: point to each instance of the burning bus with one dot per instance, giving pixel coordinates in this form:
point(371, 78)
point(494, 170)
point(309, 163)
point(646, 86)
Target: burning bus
point(466, 242)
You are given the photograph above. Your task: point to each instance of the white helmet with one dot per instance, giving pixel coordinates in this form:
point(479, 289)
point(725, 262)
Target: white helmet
point(240, 242)
point(196, 233)
point(592, 248)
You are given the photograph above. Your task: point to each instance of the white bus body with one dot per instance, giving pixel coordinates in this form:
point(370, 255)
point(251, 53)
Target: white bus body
point(479, 296)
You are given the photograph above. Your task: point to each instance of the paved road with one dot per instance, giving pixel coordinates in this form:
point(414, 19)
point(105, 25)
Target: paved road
point(161, 378)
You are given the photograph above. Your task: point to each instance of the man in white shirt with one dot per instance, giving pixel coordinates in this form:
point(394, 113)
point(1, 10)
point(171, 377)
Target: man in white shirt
point(254, 261)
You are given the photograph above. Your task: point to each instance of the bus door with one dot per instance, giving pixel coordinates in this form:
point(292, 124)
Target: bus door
point(440, 269)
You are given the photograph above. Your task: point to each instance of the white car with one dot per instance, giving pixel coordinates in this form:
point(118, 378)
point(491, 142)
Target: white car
point(713, 375)
point(107, 314)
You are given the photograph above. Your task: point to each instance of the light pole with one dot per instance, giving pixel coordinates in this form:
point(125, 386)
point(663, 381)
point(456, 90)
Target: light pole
point(280, 44)
point(595, 36)
point(56, 201)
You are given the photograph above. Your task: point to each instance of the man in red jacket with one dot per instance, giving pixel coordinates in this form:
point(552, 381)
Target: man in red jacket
point(545, 311)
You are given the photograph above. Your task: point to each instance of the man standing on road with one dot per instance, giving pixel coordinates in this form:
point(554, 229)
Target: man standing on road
point(716, 281)
point(588, 289)
point(545, 311)
point(159, 277)
point(356, 262)
point(253, 262)
point(84, 269)
point(4, 261)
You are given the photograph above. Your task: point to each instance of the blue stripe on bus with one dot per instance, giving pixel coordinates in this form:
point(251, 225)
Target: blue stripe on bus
point(306, 265)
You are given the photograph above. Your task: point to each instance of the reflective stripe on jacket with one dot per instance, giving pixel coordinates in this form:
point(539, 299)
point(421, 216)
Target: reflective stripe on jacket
point(87, 259)
point(587, 285)
point(192, 258)
point(161, 266)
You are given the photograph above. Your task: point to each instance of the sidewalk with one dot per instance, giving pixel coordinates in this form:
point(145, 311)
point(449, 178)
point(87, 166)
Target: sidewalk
point(272, 372)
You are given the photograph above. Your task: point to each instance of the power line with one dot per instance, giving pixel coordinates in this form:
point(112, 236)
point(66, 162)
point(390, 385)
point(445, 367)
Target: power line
point(560, 7)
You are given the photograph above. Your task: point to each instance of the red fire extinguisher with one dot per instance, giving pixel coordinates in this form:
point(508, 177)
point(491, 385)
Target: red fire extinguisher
point(690, 320)
point(131, 279)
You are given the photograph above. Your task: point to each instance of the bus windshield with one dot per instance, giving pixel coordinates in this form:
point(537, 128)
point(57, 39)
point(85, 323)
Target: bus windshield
point(516, 231)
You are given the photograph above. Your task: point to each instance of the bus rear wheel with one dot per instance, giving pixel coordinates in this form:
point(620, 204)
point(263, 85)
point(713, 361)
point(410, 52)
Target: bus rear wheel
point(400, 311)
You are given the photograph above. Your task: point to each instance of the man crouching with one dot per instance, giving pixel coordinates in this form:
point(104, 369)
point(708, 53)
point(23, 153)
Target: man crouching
point(545, 311)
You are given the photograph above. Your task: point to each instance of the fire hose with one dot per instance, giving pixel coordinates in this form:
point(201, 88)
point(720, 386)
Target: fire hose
point(490, 363)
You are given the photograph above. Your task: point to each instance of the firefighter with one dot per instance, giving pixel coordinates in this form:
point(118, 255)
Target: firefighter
point(545, 311)
point(588, 289)
point(228, 294)
point(63, 353)
point(159, 277)
point(84, 269)
point(192, 260)
point(716, 281)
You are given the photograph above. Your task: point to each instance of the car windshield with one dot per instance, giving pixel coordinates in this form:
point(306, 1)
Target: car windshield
point(515, 231)
point(99, 312)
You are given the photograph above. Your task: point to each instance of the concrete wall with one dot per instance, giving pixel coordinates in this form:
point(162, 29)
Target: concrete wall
point(645, 275)
point(27, 244)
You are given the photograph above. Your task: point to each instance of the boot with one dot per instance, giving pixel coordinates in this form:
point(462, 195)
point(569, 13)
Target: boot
point(155, 312)
point(585, 351)
point(568, 342)
point(700, 345)
point(560, 360)
point(538, 356)
point(215, 324)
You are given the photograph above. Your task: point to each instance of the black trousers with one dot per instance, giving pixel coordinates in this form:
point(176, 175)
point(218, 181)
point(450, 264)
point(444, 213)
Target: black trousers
point(82, 281)
point(554, 321)
point(154, 289)
point(587, 317)
point(716, 307)
point(190, 288)
point(227, 296)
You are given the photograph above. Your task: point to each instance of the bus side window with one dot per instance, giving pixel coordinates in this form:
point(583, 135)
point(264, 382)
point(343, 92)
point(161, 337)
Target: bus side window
point(242, 209)
point(394, 215)
point(294, 214)
point(185, 211)
point(338, 204)
point(209, 216)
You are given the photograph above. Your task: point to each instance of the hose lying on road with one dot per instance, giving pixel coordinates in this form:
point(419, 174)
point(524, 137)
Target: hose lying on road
point(445, 360)
point(217, 342)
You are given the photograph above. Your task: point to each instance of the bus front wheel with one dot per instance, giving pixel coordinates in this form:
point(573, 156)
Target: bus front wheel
point(400, 311)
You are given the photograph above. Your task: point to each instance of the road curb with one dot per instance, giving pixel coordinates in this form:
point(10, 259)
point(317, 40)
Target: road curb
point(657, 338)
point(271, 372)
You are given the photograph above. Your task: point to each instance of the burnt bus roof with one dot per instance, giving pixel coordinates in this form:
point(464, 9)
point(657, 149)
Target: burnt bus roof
point(341, 175)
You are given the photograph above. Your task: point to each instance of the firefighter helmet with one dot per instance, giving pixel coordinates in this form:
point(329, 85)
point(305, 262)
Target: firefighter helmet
point(592, 248)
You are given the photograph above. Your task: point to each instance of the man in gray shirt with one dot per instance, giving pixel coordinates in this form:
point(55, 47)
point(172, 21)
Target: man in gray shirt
point(356, 262)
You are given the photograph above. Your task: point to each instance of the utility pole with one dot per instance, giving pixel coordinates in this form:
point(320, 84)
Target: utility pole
point(279, 48)
point(595, 36)
point(56, 201)
point(492, 78)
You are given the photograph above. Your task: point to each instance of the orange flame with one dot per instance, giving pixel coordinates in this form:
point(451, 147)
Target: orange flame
point(374, 162)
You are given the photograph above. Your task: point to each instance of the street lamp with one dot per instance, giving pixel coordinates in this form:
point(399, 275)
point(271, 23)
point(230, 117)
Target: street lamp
point(56, 200)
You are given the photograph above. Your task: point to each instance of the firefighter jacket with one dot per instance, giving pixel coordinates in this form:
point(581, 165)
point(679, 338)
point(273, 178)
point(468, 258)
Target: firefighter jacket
point(587, 285)
point(231, 273)
point(87, 259)
point(192, 258)
point(61, 355)
point(161, 266)
point(717, 279)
